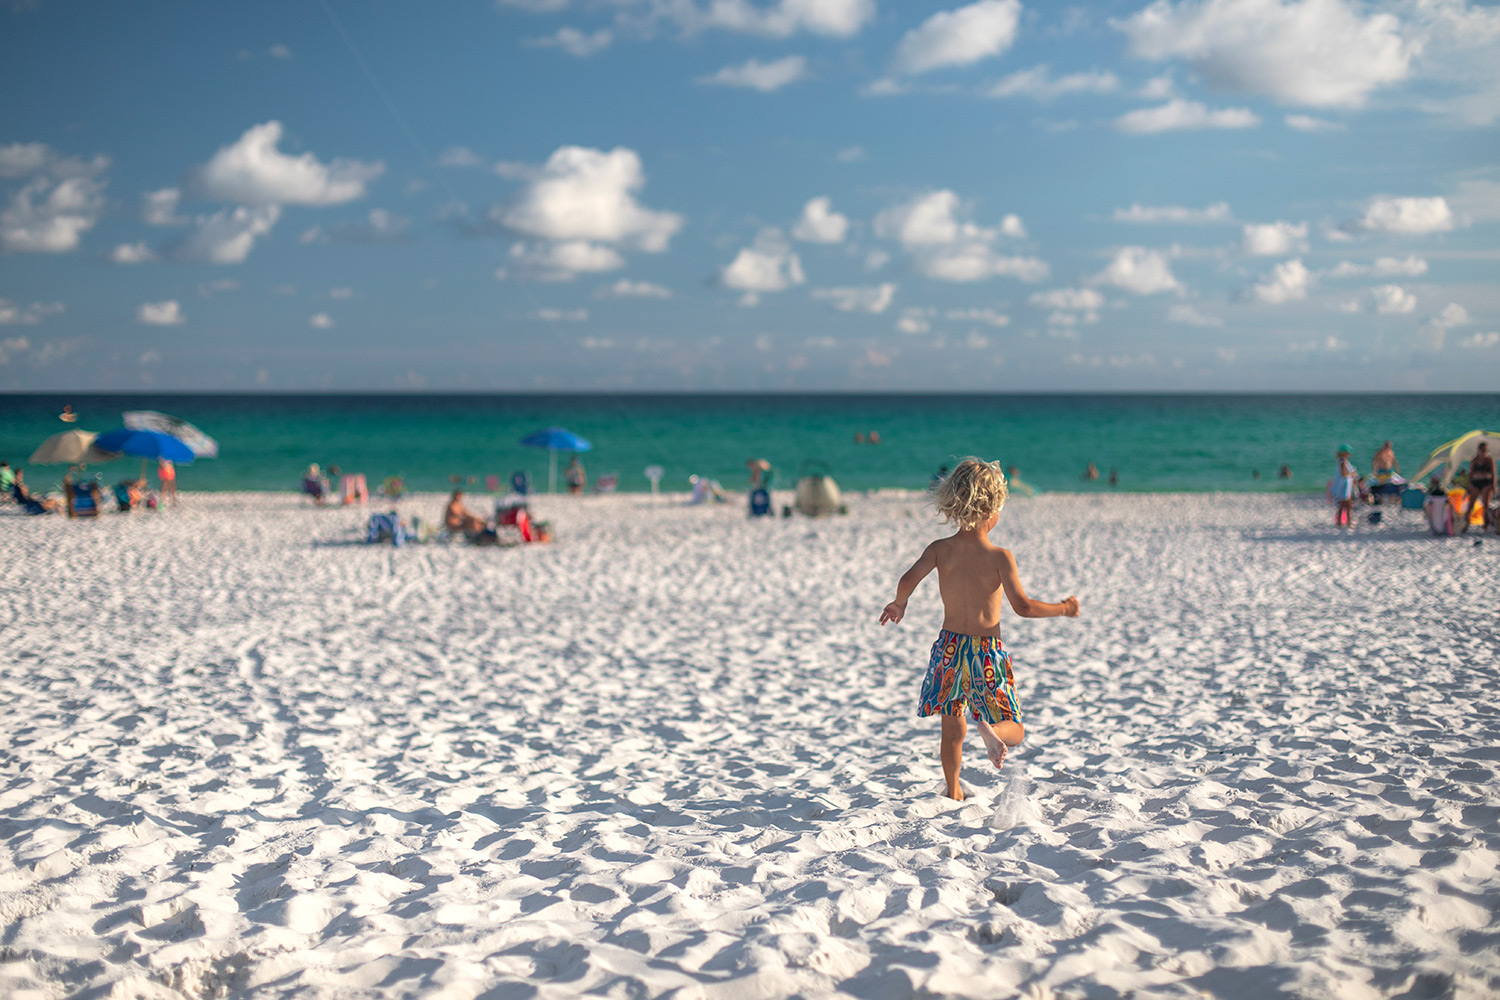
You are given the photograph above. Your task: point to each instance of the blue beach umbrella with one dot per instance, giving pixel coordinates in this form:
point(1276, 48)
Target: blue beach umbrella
point(144, 445)
point(555, 439)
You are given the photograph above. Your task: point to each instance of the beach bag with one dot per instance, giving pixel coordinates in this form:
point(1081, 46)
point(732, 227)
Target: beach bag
point(1342, 488)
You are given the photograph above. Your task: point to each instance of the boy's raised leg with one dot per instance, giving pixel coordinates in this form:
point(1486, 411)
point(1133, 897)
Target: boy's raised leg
point(998, 738)
point(952, 752)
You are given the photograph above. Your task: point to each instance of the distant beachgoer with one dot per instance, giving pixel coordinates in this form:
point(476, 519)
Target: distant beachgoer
point(859, 437)
point(705, 489)
point(1114, 477)
point(313, 484)
point(969, 669)
point(67, 416)
point(1254, 473)
point(1385, 465)
point(1285, 472)
point(1091, 473)
point(7, 476)
point(166, 472)
point(574, 476)
point(1344, 489)
point(758, 468)
point(1481, 485)
point(1435, 487)
point(457, 517)
point(873, 437)
point(1013, 481)
point(939, 476)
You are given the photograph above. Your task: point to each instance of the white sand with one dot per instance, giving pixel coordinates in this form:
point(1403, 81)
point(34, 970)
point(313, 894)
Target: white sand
point(673, 754)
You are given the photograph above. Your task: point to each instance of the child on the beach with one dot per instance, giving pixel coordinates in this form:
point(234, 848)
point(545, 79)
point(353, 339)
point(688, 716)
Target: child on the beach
point(969, 669)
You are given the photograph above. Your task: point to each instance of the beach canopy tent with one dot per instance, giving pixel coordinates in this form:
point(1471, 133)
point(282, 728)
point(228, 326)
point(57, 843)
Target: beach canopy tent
point(1450, 457)
point(71, 448)
point(201, 444)
point(555, 439)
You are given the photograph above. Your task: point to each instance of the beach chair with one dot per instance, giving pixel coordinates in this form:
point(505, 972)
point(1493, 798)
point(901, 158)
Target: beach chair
point(83, 498)
point(29, 505)
point(760, 502)
point(514, 519)
point(386, 528)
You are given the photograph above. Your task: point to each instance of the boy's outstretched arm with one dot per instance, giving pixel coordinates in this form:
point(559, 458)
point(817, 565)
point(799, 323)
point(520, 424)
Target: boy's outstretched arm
point(895, 610)
point(1024, 606)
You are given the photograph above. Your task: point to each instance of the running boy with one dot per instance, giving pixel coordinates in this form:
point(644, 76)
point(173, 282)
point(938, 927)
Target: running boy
point(969, 668)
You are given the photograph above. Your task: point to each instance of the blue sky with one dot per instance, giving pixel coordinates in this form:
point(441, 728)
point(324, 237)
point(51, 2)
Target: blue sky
point(782, 194)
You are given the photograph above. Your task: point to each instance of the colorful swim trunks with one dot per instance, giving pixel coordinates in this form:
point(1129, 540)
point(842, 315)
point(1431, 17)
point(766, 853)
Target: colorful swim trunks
point(973, 672)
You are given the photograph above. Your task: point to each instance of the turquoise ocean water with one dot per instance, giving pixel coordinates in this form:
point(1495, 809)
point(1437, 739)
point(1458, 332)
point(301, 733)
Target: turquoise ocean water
point(1156, 442)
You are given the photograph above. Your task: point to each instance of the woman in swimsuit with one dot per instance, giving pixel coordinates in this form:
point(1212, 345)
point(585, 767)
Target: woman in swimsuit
point(1481, 484)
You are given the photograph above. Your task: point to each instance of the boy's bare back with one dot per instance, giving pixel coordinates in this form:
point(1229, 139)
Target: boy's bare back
point(975, 577)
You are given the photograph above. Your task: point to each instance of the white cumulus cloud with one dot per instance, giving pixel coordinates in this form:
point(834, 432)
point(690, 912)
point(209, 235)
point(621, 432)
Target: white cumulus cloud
point(1393, 299)
point(575, 42)
point(1274, 239)
point(1480, 340)
point(1190, 316)
point(1287, 282)
point(252, 171)
point(589, 194)
point(19, 159)
point(1322, 53)
point(769, 265)
point(565, 260)
point(1039, 83)
point(1138, 270)
point(227, 236)
point(63, 199)
point(820, 223)
point(874, 299)
point(959, 37)
point(780, 19)
point(132, 253)
point(168, 313)
point(320, 321)
point(1307, 123)
point(12, 313)
point(1217, 212)
point(764, 77)
point(1410, 216)
point(627, 289)
point(159, 208)
point(949, 248)
point(1069, 299)
point(1384, 267)
point(1178, 114)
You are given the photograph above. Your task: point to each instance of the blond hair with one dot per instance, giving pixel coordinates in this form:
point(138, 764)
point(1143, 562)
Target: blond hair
point(969, 494)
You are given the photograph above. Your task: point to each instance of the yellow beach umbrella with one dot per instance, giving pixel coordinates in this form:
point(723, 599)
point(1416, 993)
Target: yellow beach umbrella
point(1451, 456)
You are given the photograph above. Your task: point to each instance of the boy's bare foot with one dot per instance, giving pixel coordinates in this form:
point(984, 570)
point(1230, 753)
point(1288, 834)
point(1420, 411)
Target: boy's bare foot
point(993, 744)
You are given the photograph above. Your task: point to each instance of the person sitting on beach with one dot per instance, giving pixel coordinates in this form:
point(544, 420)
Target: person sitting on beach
point(458, 518)
point(7, 476)
point(1481, 485)
point(969, 669)
point(33, 503)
